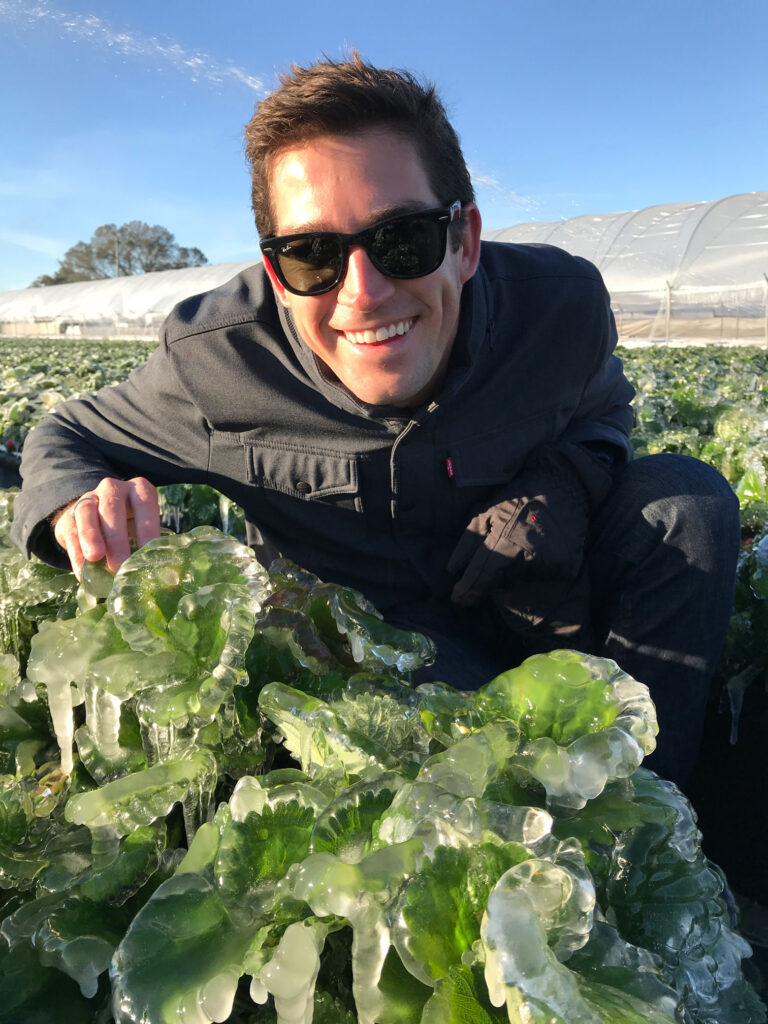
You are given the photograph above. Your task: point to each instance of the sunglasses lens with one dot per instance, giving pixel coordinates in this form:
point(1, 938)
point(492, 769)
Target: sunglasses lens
point(311, 264)
point(409, 247)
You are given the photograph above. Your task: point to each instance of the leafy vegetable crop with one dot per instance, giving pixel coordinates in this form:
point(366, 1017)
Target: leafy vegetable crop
point(224, 800)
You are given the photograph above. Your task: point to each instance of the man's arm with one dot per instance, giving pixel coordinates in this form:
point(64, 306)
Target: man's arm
point(109, 448)
point(533, 530)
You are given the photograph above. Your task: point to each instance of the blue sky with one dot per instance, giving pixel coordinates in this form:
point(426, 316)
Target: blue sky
point(115, 111)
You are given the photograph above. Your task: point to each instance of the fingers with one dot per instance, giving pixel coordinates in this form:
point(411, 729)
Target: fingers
point(108, 522)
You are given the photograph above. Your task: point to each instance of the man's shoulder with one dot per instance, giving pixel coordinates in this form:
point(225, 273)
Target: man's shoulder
point(526, 261)
point(246, 298)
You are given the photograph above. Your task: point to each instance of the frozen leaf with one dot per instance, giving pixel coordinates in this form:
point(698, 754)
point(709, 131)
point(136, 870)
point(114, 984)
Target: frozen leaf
point(461, 998)
point(345, 827)
point(254, 854)
point(451, 893)
point(145, 796)
point(585, 721)
point(181, 957)
point(151, 585)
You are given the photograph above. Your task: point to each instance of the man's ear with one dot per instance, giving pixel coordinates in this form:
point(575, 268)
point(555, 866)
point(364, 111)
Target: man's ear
point(470, 241)
point(282, 293)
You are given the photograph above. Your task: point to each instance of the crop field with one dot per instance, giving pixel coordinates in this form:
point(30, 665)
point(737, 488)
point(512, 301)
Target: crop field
point(221, 798)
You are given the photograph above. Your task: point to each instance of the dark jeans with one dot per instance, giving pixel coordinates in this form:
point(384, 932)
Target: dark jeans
point(661, 560)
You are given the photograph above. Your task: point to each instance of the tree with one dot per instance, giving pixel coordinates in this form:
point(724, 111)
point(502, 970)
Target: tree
point(133, 248)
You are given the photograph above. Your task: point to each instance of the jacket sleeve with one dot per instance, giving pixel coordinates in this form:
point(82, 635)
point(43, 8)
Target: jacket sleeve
point(604, 418)
point(146, 426)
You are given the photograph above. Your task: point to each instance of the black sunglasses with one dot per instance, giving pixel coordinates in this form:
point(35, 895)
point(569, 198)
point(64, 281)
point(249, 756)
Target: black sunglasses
point(409, 245)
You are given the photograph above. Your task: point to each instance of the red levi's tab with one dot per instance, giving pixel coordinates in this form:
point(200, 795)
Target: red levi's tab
point(449, 467)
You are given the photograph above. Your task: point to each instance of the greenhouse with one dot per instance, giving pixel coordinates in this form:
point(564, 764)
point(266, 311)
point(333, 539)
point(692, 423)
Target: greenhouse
point(676, 272)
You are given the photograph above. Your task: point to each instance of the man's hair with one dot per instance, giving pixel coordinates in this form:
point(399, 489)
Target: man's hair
point(346, 98)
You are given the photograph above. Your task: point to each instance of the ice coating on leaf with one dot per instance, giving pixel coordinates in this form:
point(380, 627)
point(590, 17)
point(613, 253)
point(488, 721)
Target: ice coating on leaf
point(345, 827)
point(45, 667)
point(16, 811)
point(363, 732)
point(180, 958)
point(61, 654)
point(150, 585)
point(451, 893)
point(666, 896)
point(141, 798)
point(255, 854)
point(312, 732)
point(457, 1000)
point(286, 627)
point(390, 732)
point(607, 960)
point(330, 630)
point(102, 750)
point(372, 641)
point(179, 685)
point(585, 722)
point(467, 767)
point(95, 584)
point(430, 812)
point(331, 886)
point(521, 970)
point(69, 933)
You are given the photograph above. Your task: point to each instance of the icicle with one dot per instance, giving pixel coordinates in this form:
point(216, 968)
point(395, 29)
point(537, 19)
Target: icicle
point(105, 728)
point(60, 705)
point(224, 508)
point(292, 972)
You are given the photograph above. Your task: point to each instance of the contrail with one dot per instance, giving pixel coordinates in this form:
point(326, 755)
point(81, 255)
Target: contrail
point(198, 65)
point(529, 203)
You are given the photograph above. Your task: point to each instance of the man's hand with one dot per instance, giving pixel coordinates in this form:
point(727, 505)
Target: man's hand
point(107, 521)
point(521, 537)
point(534, 529)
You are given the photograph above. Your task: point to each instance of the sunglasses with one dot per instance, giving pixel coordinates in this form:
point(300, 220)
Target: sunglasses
point(409, 245)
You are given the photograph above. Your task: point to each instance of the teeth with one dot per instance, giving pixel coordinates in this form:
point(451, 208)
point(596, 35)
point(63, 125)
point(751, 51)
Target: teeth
point(369, 336)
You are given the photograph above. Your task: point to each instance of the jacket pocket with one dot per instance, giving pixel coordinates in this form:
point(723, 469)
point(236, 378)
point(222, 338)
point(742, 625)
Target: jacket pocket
point(496, 457)
point(304, 472)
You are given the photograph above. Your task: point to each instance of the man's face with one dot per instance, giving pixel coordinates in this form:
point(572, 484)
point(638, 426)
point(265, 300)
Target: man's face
point(345, 184)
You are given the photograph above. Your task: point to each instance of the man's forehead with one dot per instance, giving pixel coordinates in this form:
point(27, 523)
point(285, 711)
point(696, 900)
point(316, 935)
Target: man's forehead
point(346, 183)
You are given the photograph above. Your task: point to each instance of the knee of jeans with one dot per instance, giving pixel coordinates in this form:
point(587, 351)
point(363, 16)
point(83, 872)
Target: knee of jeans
point(694, 498)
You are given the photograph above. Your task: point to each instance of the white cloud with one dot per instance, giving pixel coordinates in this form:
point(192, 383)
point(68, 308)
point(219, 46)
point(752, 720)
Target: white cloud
point(195, 63)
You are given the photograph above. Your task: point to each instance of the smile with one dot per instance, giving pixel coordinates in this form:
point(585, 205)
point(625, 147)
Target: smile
point(384, 333)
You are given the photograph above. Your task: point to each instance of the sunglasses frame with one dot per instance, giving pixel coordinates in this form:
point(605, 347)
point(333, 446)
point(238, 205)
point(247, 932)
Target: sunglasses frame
point(442, 215)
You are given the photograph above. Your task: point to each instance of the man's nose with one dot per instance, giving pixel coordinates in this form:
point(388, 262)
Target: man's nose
point(364, 286)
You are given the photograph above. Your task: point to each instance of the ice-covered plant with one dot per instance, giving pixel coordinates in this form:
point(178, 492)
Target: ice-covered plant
point(243, 810)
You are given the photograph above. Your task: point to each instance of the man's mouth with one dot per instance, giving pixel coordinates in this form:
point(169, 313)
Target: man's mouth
point(384, 333)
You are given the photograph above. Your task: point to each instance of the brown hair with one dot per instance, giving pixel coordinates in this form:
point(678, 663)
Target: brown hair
point(344, 98)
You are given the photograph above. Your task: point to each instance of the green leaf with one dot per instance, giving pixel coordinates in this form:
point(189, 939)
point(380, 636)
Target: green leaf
point(182, 951)
point(256, 853)
point(451, 893)
point(345, 827)
point(461, 998)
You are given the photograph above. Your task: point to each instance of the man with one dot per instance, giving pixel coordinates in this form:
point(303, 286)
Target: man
point(438, 424)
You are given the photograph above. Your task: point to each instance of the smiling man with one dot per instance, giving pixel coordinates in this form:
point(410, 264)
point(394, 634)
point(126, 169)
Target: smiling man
point(439, 423)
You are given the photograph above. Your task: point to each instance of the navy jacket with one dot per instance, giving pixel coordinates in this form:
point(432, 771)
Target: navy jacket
point(370, 496)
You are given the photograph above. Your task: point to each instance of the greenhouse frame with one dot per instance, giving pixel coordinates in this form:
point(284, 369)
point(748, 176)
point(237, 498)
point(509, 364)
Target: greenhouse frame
point(685, 272)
